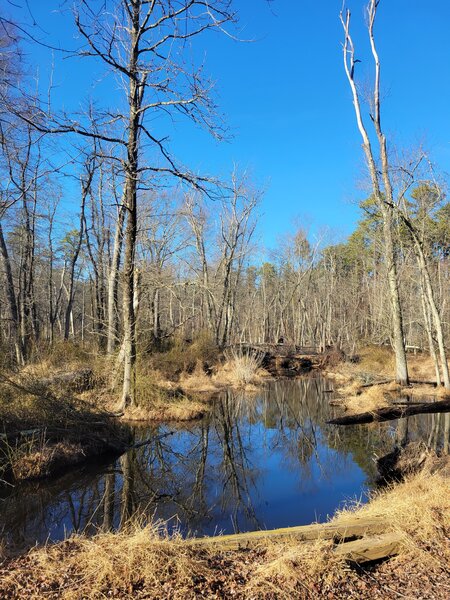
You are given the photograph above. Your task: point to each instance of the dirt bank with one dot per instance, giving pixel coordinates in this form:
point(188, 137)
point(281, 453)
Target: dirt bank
point(44, 433)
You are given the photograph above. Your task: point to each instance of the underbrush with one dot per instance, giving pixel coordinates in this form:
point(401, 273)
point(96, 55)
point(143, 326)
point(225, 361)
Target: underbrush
point(199, 367)
point(371, 363)
point(144, 563)
point(41, 432)
point(185, 356)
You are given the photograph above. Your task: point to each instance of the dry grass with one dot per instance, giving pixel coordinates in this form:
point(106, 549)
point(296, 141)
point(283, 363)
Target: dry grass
point(374, 362)
point(238, 372)
point(377, 364)
point(420, 392)
point(163, 402)
point(182, 409)
point(32, 462)
point(420, 366)
point(42, 433)
point(418, 508)
point(370, 399)
point(184, 357)
point(63, 356)
point(198, 381)
point(142, 563)
point(358, 399)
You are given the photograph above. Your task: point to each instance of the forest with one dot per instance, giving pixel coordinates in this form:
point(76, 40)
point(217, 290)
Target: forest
point(163, 367)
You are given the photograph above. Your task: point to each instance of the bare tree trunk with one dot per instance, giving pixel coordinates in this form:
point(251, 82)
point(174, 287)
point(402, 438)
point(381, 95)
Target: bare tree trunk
point(113, 284)
point(427, 321)
point(137, 86)
point(85, 187)
point(397, 319)
point(12, 304)
point(156, 317)
point(425, 273)
point(386, 210)
point(434, 311)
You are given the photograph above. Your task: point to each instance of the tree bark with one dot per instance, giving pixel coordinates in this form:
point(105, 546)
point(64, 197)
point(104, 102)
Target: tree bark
point(113, 284)
point(12, 304)
point(136, 92)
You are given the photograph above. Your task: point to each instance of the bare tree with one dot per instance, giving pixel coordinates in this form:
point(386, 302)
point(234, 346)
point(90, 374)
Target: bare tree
point(76, 244)
point(380, 178)
point(140, 41)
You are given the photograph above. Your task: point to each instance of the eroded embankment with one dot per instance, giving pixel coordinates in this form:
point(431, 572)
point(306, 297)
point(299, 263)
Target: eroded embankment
point(44, 432)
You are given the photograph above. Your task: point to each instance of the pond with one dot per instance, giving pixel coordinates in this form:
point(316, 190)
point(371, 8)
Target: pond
point(257, 461)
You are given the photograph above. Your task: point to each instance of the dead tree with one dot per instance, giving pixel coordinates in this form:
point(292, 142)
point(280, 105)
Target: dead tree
point(381, 180)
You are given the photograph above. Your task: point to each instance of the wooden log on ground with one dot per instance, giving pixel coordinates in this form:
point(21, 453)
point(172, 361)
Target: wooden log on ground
point(370, 548)
point(379, 382)
point(354, 527)
point(407, 403)
point(391, 380)
point(21, 433)
point(389, 413)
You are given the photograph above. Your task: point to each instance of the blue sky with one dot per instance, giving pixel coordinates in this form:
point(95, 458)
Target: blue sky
point(287, 101)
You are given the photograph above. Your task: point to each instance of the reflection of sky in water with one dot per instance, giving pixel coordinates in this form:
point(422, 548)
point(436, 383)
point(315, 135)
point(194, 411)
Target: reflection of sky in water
point(257, 462)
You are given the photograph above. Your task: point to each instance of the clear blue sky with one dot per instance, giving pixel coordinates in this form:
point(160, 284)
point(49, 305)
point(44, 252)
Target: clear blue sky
point(287, 101)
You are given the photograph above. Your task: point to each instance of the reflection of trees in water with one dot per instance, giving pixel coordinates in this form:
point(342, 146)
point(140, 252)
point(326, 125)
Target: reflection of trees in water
point(210, 472)
point(36, 511)
point(432, 429)
point(236, 471)
point(108, 503)
point(302, 410)
point(295, 415)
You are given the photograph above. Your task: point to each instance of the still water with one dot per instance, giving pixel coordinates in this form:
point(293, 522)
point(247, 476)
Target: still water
point(256, 462)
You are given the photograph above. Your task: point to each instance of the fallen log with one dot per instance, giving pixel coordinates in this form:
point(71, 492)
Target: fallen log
point(389, 413)
point(408, 403)
point(354, 527)
point(21, 433)
point(379, 382)
point(391, 380)
point(369, 549)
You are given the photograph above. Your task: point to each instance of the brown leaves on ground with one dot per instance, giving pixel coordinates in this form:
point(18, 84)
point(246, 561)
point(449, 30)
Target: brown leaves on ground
point(47, 460)
point(140, 564)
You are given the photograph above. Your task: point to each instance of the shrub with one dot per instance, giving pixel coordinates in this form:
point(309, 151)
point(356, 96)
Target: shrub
point(185, 356)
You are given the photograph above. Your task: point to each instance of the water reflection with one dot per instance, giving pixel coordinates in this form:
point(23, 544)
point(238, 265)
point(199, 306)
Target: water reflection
point(259, 461)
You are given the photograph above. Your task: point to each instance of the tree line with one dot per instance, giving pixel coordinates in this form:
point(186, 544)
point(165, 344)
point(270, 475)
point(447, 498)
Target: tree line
point(159, 252)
